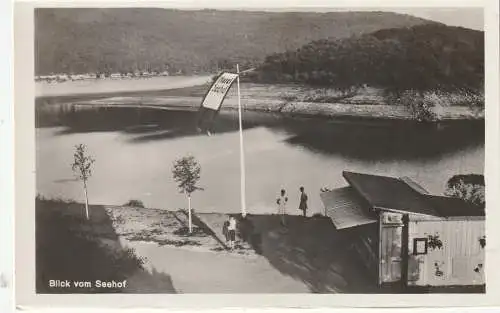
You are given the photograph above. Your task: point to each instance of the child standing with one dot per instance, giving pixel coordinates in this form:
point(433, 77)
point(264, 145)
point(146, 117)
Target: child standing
point(281, 201)
point(232, 232)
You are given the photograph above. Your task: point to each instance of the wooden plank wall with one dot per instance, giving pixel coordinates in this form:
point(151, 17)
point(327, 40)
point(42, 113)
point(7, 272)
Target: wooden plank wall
point(460, 260)
point(390, 251)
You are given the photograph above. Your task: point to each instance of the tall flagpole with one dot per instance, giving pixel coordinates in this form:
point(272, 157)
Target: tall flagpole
point(242, 153)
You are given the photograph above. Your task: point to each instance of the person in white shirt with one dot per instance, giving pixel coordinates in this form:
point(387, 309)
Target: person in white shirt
point(232, 231)
point(281, 201)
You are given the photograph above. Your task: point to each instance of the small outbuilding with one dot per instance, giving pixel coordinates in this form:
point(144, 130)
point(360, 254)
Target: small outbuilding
point(405, 235)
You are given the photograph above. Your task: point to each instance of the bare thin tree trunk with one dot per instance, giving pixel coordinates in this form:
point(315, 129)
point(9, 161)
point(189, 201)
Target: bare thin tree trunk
point(86, 200)
point(189, 214)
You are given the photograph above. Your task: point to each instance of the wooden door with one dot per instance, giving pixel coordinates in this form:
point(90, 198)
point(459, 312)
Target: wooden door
point(391, 258)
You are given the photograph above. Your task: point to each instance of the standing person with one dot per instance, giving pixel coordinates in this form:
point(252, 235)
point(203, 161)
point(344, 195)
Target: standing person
point(232, 232)
point(225, 230)
point(303, 201)
point(281, 201)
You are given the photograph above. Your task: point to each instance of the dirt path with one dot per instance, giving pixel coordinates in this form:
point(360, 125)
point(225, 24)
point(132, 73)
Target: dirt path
point(308, 256)
point(195, 271)
point(204, 267)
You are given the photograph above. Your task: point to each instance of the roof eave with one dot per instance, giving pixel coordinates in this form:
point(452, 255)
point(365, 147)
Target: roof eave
point(403, 212)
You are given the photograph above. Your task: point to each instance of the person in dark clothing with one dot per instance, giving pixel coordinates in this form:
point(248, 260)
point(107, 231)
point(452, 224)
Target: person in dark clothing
point(303, 201)
point(225, 230)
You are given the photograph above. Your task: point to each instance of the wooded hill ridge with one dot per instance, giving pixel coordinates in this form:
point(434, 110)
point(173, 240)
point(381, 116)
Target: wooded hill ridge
point(422, 57)
point(83, 40)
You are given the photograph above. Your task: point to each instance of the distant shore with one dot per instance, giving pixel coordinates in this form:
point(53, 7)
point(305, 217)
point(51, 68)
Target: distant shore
point(186, 93)
point(306, 109)
point(90, 87)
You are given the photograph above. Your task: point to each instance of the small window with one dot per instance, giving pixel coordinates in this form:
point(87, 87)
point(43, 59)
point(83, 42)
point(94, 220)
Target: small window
point(419, 246)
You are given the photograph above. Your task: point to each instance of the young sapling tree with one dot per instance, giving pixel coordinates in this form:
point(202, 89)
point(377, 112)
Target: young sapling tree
point(186, 172)
point(82, 167)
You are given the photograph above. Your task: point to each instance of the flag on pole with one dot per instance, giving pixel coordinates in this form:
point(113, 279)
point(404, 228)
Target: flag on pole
point(213, 99)
point(209, 108)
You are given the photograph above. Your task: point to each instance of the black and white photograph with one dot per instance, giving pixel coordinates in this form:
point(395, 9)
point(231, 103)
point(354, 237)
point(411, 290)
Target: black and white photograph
point(307, 150)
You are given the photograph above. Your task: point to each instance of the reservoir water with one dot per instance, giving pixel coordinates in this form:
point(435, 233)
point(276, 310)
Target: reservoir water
point(134, 151)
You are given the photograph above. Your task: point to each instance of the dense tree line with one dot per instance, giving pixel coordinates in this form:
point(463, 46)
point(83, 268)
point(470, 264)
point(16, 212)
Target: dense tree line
point(69, 40)
point(422, 57)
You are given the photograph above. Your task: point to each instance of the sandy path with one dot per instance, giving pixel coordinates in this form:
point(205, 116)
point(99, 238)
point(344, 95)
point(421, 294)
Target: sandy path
point(195, 271)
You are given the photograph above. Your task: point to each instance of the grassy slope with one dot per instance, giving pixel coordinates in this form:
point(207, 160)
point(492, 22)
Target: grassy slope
point(127, 38)
point(70, 248)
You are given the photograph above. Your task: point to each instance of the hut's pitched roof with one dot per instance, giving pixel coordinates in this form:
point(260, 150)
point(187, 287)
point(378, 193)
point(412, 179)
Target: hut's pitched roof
point(390, 193)
point(346, 208)
point(448, 206)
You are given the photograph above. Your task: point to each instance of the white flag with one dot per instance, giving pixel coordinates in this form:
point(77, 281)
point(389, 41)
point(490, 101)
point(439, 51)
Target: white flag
point(215, 96)
point(213, 100)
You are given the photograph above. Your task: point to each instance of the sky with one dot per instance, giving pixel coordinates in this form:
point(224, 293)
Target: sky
point(468, 17)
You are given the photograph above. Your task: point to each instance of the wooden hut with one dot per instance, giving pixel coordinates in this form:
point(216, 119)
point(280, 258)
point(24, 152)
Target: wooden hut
point(405, 235)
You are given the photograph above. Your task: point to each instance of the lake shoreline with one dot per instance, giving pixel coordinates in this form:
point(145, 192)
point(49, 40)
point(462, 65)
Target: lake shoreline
point(289, 109)
point(258, 98)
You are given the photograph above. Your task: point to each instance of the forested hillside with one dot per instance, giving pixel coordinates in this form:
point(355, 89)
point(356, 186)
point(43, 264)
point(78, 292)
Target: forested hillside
point(118, 40)
point(422, 57)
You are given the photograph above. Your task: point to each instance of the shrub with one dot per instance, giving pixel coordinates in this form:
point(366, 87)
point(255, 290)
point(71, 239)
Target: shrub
point(472, 193)
point(421, 107)
point(289, 97)
point(135, 203)
point(127, 260)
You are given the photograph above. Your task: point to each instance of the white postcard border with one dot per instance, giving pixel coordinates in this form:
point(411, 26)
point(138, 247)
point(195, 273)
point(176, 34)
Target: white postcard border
point(25, 180)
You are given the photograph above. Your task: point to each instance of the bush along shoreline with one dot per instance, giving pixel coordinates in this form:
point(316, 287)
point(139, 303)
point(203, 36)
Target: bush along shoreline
point(420, 106)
